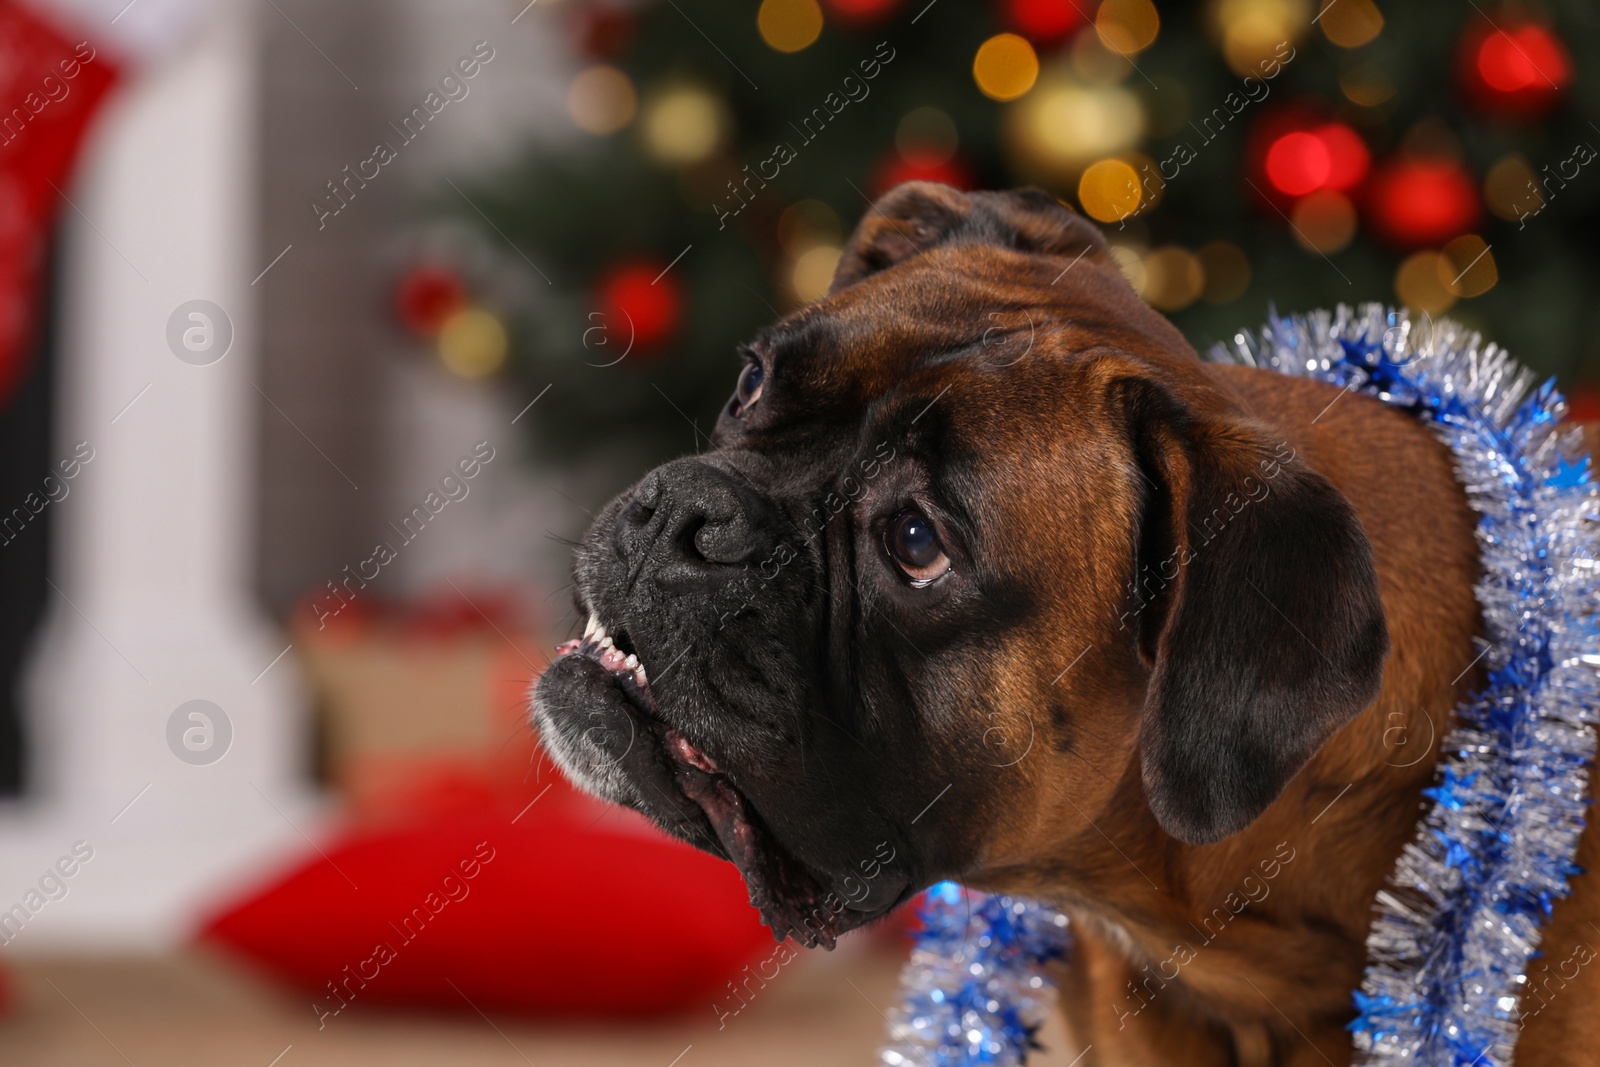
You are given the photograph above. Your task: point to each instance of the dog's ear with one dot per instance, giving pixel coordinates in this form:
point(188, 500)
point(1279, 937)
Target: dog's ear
point(916, 216)
point(1255, 601)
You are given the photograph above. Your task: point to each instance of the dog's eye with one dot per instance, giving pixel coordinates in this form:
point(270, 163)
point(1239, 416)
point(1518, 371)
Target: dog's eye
point(748, 391)
point(912, 543)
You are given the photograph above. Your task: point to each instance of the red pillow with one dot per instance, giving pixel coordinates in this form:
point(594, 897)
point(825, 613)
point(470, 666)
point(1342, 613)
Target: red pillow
point(548, 914)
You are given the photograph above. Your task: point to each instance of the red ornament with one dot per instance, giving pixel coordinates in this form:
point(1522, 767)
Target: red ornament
point(1516, 69)
point(426, 297)
point(896, 168)
point(861, 12)
point(641, 301)
point(1415, 202)
point(1331, 156)
point(1044, 22)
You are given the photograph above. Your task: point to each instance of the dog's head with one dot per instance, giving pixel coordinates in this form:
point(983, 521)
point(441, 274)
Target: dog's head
point(978, 537)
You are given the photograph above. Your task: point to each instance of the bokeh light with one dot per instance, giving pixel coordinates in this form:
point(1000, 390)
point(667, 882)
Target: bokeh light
point(1110, 190)
point(1151, 186)
point(601, 100)
point(1173, 278)
point(1522, 58)
point(1348, 158)
point(1297, 163)
point(1045, 22)
point(789, 25)
point(1467, 267)
point(427, 296)
point(1063, 124)
point(1324, 221)
point(1252, 31)
point(1350, 23)
point(684, 125)
point(1127, 26)
point(641, 299)
point(1330, 156)
point(813, 273)
point(1422, 201)
point(1005, 66)
point(1420, 283)
point(895, 169)
point(1511, 189)
point(472, 343)
point(862, 12)
point(1514, 66)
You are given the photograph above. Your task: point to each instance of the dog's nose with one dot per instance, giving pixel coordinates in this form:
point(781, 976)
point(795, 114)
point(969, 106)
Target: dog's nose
point(697, 525)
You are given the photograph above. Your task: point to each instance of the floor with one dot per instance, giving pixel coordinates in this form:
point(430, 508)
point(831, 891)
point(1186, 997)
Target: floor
point(202, 1009)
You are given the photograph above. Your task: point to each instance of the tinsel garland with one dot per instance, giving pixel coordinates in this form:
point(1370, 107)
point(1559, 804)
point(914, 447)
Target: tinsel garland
point(1453, 934)
point(975, 988)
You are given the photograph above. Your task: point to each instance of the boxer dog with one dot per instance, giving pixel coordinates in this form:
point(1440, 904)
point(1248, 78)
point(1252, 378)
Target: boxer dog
point(986, 576)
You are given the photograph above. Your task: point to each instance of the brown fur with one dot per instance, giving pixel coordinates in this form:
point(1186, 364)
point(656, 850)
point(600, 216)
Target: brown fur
point(1246, 950)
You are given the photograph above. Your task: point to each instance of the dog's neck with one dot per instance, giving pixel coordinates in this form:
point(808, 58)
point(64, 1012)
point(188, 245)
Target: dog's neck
point(1233, 924)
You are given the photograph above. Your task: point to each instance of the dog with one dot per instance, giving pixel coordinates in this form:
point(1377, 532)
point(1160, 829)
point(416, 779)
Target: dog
point(987, 576)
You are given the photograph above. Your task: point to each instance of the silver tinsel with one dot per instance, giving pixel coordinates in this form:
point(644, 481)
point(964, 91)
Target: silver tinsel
point(1453, 933)
point(975, 990)
point(1462, 915)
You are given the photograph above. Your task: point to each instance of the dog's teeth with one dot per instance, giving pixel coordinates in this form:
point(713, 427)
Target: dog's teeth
point(631, 662)
point(638, 676)
point(594, 624)
point(605, 642)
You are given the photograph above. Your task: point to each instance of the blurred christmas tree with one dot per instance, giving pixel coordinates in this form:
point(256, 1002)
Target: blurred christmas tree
point(1241, 153)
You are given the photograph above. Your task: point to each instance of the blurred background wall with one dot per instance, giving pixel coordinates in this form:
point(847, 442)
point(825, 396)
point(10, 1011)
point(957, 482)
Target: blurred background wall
point(330, 335)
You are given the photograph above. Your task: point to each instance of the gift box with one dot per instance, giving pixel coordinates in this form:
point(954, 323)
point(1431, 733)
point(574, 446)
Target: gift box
point(422, 707)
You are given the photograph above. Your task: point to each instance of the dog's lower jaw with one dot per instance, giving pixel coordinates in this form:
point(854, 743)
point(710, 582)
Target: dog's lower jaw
point(598, 778)
point(581, 707)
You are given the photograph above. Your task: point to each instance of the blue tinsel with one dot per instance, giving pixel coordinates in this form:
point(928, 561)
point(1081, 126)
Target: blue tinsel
point(975, 988)
point(1454, 932)
point(1452, 935)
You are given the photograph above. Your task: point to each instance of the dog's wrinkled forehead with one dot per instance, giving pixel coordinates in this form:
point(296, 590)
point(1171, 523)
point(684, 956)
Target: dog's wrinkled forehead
point(960, 292)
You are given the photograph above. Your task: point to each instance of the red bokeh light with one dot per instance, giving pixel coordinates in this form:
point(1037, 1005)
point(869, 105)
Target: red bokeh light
point(896, 169)
point(1422, 202)
point(1298, 163)
point(1522, 59)
point(641, 294)
point(1045, 22)
point(1515, 69)
point(426, 296)
point(1348, 157)
point(861, 12)
point(1330, 156)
